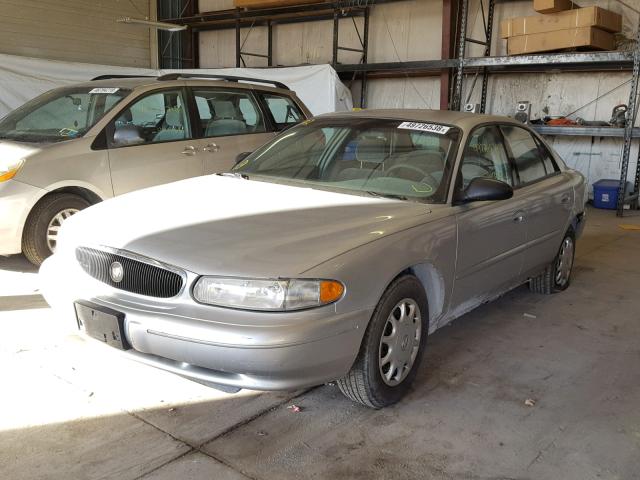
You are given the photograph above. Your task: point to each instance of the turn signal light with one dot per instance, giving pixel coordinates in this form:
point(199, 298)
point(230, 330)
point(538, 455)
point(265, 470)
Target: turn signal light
point(330, 291)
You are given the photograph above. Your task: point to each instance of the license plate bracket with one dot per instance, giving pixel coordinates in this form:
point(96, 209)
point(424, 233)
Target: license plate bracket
point(102, 323)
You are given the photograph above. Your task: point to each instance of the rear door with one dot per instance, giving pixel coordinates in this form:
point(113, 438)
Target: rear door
point(491, 235)
point(160, 147)
point(230, 122)
point(547, 193)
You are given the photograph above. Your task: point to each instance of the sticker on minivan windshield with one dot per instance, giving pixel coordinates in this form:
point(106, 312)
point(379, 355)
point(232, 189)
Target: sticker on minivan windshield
point(103, 90)
point(425, 127)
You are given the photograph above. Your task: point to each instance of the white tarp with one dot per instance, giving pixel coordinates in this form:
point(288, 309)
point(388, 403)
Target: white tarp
point(22, 78)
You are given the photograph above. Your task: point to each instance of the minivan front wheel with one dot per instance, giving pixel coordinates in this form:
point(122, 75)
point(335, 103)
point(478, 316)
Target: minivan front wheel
point(40, 236)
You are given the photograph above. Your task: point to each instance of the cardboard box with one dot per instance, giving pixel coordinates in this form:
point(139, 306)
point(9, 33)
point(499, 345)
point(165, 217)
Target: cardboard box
point(271, 3)
point(579, 17)
point(553, 6)
point(590, 37)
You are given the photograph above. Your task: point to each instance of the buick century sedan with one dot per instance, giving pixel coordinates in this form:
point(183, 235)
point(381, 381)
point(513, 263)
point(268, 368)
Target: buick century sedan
point(330, 253)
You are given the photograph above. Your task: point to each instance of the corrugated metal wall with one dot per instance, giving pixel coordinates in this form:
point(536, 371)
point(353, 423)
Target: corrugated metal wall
point(78, 31)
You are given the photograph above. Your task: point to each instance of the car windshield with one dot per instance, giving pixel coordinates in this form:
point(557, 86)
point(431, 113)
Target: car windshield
point(387, 158)
point(60, 114)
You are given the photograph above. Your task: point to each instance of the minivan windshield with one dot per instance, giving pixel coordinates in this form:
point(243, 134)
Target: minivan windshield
point(60, 114)
point(398, 159)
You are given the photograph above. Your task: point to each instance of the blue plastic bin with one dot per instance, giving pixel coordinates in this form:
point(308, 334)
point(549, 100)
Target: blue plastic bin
point(605, 193)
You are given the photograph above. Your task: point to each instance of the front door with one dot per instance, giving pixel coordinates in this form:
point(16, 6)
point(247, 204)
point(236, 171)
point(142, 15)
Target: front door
point(230, 123)
point(151, 143)
point(491, 235)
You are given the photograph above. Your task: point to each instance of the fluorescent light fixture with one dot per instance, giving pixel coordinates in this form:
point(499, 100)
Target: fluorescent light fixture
point(171, 27)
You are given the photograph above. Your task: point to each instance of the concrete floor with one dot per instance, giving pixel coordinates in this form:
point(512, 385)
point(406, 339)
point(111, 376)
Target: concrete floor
point(71, 409)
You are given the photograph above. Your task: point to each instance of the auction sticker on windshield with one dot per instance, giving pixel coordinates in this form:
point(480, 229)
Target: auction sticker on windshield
point(425, 127)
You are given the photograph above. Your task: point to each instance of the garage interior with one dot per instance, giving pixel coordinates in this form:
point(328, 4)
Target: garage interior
point(524, 387)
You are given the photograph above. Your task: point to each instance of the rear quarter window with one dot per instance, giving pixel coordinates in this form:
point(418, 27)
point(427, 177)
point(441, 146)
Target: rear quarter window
point(283, 110)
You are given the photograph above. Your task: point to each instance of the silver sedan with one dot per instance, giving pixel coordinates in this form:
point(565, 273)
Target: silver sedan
point(330, 253)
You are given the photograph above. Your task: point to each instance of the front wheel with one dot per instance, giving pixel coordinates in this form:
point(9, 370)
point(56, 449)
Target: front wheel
point(40, 236)
point(392, 347)
point(557, 276)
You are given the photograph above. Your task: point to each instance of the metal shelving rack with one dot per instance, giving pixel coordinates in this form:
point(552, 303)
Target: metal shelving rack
point(612, 60)
point(239, 19)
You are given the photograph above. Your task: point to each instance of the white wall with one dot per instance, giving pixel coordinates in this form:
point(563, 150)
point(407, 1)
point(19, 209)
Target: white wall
point(78, 31)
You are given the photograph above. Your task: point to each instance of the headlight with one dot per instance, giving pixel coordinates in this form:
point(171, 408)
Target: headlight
point(271, 295)
point(9, 168)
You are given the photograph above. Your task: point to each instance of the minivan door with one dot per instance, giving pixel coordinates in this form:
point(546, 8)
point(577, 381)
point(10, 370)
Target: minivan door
point(150, 142)
point(230, 123)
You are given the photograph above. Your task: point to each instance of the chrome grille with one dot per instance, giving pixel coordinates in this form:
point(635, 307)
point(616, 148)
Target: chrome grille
point(138, 276)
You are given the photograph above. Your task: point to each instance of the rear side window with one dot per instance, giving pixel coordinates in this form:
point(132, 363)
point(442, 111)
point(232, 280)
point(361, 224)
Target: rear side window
point(283, 110)
point(227, 112)
point(525, 152)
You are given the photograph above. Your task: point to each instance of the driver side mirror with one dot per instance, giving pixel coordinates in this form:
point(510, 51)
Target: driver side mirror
point(482, 189)
point(242, 156)
point(127, 135)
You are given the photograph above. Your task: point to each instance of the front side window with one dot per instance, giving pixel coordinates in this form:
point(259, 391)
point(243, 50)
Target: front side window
point(485, 157)
point(60, 114)
point(526, 154)
point(283, 110)
point(155, 118)
point(227, 112)
point(376, 157)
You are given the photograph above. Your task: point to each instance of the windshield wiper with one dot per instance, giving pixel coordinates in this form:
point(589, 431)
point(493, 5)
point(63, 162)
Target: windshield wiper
point(387, 195)
point(244, 176)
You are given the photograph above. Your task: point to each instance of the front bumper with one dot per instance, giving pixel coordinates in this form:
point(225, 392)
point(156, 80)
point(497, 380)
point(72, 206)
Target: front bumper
point(211, 345)
point(16, 201)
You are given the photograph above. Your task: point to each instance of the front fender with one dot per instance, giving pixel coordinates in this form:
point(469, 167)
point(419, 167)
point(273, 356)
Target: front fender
point(428, 251)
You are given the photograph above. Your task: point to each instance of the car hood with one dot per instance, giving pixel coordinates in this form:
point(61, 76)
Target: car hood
point(230, 226)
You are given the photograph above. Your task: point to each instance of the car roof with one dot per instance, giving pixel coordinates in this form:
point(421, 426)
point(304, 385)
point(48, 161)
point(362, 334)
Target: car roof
point(464, 120)
point(132, 83)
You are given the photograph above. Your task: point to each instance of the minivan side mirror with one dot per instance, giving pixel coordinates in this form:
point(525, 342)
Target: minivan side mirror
point(242, 156)
point(482, 189)
point(126, 135)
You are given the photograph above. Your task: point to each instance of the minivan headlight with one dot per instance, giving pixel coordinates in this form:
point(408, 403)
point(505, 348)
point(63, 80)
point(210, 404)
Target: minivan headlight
point(268, 295)
point(9, 168)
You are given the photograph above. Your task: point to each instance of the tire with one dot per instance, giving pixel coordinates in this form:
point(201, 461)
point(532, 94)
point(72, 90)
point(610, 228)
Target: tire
point(365, 383)
point(553, 279)
point(35, 243)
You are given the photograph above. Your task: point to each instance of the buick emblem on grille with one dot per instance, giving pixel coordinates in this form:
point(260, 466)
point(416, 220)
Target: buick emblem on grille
point(116, 271)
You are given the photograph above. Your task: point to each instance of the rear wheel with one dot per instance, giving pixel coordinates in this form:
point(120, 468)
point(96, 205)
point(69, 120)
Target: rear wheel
point(557, 276)
point(40, 236)
point(392, 347)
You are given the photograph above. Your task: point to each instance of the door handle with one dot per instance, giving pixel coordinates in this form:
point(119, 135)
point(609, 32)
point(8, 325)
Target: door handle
point(189, 150)
point(565, 199)
point(519, 218)
point(211, 147)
